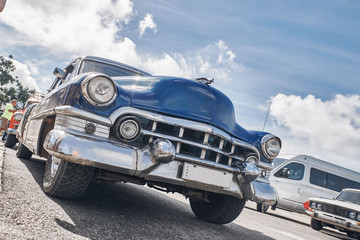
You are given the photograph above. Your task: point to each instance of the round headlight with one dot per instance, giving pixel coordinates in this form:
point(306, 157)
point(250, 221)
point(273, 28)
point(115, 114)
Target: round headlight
point(18, 116)
point(319, 205)
point(99, 89)
point(358, 217)
point(127, 128)
point(352, 215)
point(313, 205)
point(270, 146)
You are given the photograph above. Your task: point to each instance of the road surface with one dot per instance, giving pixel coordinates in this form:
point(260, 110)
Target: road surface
point(125, 211)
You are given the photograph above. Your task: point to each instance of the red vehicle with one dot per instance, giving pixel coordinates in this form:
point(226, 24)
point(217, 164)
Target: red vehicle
point(16, 118)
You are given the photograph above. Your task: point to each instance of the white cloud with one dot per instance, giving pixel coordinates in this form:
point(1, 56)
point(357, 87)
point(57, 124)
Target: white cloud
point(201, 63)
point(81, 27)
point(147, 22)
point(25, 72)
point(326, 129)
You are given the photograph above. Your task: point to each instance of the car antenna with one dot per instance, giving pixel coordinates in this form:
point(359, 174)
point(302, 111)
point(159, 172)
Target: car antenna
point(267, 115)
point(205, 80)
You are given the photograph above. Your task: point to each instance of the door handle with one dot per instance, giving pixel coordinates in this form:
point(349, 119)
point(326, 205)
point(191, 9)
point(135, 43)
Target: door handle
point(299, 190)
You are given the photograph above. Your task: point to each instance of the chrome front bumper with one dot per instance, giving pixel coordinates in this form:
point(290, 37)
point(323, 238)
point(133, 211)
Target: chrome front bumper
point(11, 131)
point(157, 162)
point(339, 222)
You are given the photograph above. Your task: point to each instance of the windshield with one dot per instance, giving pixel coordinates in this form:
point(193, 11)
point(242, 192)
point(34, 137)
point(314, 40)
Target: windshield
point(110, 70)
point(349, 196)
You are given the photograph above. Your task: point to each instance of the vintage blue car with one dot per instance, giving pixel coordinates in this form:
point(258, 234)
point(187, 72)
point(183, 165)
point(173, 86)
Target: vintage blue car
point(106, 120)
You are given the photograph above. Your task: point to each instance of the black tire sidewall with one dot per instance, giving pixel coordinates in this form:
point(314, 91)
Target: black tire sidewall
point(316, 224)
point(49, 183)
point(10, 141)
point(221, 209)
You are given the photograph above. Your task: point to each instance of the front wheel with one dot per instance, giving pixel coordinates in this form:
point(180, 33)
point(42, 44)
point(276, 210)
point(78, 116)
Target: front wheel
point(262, 207)
point(316, 224)
point(219, 208)
point(64, 179)
point(11, 140)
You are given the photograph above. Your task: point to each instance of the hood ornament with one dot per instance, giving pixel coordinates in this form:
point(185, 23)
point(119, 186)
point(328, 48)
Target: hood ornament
point(204, 80)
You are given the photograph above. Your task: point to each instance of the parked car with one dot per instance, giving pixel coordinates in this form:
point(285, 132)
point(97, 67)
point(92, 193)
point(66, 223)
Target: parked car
point(11, 139)
point(342, 213)
point(114, 122)
point(302, 177)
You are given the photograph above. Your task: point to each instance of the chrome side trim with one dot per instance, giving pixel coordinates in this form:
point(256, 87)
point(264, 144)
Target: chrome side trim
point(77, 124)
point(76, 112)
point(43, 114)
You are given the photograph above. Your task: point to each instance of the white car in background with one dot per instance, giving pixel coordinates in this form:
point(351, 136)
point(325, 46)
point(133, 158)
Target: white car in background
point(302, 177)
point(342, 213)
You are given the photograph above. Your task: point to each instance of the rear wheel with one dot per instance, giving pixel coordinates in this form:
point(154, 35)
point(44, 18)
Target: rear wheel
point(11, 140)
point(64, 179)
point(262, 207)
point(220, 209)
point(316, 225)
point(23, 152)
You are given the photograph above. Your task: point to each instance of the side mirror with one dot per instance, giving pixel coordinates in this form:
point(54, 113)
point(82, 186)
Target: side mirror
point(59, 72)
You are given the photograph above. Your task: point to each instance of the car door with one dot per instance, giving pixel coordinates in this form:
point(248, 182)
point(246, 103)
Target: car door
point(290, 184)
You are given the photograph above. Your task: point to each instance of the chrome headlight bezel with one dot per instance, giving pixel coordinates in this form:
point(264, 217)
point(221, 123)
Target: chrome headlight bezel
point(352, 215)
point(18, 116)
point(120, 125)
point(265, 147)
point(87, 92)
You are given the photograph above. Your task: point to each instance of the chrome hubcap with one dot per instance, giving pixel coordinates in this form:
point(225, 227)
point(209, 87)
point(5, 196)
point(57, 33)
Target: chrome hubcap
point(55, 163)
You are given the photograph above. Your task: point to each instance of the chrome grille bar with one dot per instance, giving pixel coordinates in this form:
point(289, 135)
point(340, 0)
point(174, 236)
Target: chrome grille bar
point(204, 147)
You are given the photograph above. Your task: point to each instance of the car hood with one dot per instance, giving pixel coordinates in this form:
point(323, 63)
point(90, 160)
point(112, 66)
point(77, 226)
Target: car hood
point(335, 202)
point(183, 98)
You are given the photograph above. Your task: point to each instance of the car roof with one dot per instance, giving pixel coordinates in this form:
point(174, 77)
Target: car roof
point(351, 189)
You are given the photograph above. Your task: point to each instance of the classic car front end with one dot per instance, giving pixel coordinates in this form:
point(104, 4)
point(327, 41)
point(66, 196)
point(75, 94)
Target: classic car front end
point(342, 213)
point(118, 123)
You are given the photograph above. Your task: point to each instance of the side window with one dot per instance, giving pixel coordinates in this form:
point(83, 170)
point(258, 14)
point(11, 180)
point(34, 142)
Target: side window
point(294, 171)
point(331, 181)
point(55, 84)
point(318, 177)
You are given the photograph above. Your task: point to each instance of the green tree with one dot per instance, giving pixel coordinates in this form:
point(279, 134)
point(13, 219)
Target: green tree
point(7, 93)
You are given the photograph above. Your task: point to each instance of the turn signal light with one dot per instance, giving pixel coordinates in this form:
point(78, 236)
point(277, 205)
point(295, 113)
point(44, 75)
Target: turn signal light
point(306, 205)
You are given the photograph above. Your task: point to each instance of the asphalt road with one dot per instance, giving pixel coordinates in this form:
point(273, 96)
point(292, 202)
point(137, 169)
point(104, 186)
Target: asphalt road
point(125, 211)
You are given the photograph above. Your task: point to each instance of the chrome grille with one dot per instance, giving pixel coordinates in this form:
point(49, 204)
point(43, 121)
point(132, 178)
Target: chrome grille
point(191, 143)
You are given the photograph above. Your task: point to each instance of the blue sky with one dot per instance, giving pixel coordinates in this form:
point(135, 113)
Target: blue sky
point(304, 56)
